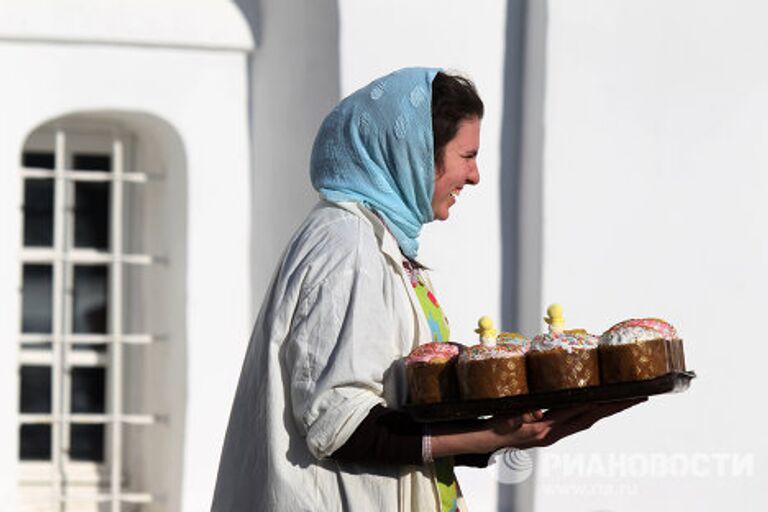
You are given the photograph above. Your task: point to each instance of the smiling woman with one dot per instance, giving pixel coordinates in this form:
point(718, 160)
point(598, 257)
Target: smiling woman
point(322, 380)
point(316, 423)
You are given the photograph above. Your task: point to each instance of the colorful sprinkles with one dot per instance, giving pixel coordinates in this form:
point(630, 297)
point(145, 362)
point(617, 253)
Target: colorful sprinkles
point(567, 340)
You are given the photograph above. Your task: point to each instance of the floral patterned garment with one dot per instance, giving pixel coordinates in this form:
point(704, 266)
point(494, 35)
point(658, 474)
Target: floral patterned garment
point(445, 479)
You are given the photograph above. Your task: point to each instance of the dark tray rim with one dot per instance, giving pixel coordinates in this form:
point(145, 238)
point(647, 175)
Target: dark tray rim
point(672, 382)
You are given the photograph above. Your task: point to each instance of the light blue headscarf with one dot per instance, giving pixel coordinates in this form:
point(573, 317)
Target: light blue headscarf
point(376, 148)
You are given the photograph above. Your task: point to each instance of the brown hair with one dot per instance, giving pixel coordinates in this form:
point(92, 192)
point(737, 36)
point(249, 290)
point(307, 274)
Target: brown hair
point(454, 99)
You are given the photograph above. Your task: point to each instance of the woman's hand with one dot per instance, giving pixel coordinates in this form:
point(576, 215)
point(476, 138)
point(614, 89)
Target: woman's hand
point(527, 430)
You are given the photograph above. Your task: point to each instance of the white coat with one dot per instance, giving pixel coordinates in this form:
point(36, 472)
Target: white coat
point(339, 315)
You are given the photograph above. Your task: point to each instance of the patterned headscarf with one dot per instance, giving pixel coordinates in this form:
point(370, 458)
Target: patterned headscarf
point(376, 148)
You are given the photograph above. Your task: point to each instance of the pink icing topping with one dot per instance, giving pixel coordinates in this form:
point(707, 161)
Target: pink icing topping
point(435, 352)
point(664, 329)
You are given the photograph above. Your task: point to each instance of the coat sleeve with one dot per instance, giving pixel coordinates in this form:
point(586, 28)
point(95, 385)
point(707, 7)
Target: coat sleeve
point(384, 437)
point(342, 340)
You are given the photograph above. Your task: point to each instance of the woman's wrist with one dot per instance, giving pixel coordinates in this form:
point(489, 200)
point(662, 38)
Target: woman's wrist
point(452, 439)
point(487, 436)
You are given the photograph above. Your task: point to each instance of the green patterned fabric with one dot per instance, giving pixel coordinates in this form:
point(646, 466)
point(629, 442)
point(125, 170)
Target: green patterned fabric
point(438, 323)
point(447, 486)
point(445, 479)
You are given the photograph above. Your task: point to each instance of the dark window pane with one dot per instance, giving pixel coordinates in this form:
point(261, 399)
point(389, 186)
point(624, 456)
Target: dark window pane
point(86, 442)
point(37, 346)
point(38, 213)
point(37, 298)
point(90, 299)
point(38, 159)
point(92, 162)
point(92, 215)
point(88, 389)
point(35, 389)
point(35, 442)
point(92, 347)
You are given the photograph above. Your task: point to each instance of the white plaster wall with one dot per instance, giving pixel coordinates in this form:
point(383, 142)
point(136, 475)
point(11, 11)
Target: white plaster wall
point(294, 83)
point(379, 37)
point(655, 156)
point(203, 95)
point(212, 24)
point(10, 314)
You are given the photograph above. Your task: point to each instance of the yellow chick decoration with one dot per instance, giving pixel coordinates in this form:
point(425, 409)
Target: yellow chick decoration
point(486, 331)
point(555, 318)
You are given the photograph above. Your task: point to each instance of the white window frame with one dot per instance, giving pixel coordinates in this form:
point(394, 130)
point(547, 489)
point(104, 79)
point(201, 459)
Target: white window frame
point(87, 483)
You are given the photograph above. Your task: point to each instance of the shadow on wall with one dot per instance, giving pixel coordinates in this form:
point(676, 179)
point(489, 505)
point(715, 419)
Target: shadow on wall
point(521, 190)
point(295, 82)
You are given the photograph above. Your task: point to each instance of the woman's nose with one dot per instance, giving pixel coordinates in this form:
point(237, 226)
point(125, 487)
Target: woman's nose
point(473, 178)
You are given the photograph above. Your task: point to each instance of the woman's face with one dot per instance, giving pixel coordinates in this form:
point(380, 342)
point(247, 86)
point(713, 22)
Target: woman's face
point(459, 167)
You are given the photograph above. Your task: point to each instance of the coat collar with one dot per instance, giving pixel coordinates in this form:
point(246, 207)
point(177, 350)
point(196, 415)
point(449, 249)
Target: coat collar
point(387, 242)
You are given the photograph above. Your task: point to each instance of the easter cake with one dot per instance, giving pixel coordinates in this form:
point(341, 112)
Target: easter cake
point(562, 359)
point(640, 349)
point(494, 368)
point(431, 372)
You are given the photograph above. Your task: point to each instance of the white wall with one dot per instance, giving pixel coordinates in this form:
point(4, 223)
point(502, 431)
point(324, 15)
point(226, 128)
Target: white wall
point(655, 150)
point(294, 83)
point(379, 37)
point(201, 92)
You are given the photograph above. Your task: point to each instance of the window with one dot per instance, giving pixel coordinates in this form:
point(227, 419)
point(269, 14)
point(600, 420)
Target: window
point(80, 338)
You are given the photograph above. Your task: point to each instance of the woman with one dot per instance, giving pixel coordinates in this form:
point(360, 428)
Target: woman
point(314, 424)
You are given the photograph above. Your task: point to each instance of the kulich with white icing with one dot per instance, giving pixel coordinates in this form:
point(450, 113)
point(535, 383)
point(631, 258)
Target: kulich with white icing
point(562, 359)
point(640, 349)
point(492, 371)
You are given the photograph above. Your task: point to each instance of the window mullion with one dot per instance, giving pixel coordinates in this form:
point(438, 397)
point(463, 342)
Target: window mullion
point(116, 321)
point(59, 219)
point(67, 310)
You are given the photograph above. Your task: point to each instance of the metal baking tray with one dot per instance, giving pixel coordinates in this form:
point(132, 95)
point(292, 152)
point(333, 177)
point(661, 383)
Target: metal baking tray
point(673, 382)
